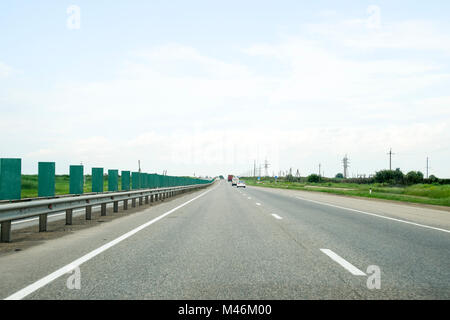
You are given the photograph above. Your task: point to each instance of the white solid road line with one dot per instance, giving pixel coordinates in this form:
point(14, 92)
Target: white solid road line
point(58, 273)
point(258, 204)
point(276, 216)
point(347, 265)
point(375, 215)
point(249, 198)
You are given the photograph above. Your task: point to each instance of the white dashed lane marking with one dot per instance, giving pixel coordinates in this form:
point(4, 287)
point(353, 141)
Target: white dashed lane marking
point(344, 263)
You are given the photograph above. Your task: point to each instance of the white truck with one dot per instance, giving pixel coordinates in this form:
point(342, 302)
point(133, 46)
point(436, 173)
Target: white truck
point(234, 181)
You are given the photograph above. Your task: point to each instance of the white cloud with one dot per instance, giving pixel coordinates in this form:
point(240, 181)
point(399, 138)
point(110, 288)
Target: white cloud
point(5, 70)
point(405, 35)
point(235, 150)
point(318, 74)
point(327, 13)
point(176, 108)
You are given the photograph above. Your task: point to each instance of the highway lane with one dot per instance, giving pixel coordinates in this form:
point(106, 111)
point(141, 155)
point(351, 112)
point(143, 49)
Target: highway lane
point(239, 244)
point(414, 260)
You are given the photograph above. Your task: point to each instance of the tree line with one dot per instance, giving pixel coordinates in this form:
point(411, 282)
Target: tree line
point(392, 177)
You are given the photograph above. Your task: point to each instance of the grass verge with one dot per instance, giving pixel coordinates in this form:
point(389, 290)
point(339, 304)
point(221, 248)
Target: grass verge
point(420, 193)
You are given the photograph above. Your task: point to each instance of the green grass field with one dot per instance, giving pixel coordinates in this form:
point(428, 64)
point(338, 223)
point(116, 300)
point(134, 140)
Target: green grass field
point(30, 185)
point(419, 193)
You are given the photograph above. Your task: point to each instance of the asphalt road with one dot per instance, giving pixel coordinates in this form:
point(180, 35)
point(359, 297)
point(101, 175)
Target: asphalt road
point(228, 243)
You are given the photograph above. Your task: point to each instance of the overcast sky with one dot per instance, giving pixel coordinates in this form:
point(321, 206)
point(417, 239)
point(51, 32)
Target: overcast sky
point(207, 87)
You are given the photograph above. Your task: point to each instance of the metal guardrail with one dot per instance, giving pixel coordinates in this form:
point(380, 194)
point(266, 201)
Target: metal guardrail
point(42, 208)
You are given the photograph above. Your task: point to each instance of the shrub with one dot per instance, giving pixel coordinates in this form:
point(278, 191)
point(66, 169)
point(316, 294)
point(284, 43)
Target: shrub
point(313, 178)
point(414, 177)
point(389, 176)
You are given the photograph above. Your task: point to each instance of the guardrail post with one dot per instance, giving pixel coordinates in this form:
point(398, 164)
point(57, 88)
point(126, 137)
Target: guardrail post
point(88, 212)
point(140, 201)
point(116, 206)
point(151, 198)
point(133, 202)
point(103, 209)
point(125, 204)
point(69, 216)
point(146, 199)
point(43, 223)
point(6, 231)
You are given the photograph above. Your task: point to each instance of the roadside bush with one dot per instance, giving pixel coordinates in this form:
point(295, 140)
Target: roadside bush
point(390, 176)
point(414, 177)
point(313, 178)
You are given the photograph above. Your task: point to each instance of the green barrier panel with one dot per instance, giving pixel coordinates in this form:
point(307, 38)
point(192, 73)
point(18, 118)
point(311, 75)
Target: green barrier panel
point(76, 183)
point(97, 179)
point(141, 180)
point(46, 179)
point(146, 179)
point(156, 180)
point(10, 178)
point(135, 180)
point(152, 180)
point(113, 180)
point(125, 180)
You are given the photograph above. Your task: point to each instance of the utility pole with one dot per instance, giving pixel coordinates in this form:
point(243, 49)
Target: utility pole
point(319, 168)
point(345, 161)
point(254, 168)
point(266, 167)
point(139, 165)
point(390, 159)
point(428, 167)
